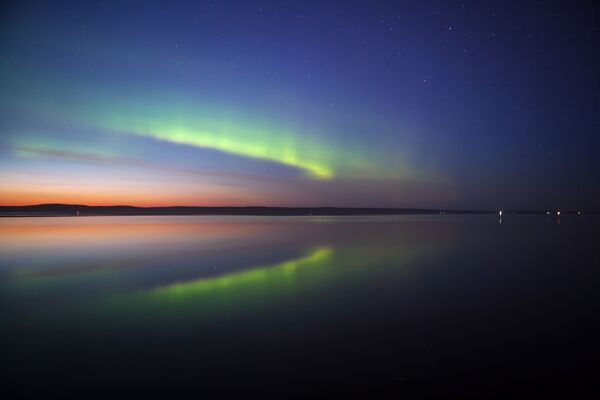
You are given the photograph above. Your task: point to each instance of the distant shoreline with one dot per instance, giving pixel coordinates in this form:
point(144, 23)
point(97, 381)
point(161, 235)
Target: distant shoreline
point(61, 210)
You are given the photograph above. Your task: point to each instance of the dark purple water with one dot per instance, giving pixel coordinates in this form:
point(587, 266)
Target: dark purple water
point(422, 306)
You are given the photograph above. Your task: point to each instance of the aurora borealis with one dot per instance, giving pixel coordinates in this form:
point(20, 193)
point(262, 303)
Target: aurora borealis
point(437, 104)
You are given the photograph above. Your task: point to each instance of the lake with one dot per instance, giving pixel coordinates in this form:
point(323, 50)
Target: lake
point(448, 306)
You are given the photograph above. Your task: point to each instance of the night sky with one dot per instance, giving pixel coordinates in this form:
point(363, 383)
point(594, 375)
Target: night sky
point(487, 105)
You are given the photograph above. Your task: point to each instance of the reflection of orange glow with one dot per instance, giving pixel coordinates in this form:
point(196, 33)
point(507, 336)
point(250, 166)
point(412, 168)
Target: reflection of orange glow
point(105, 231)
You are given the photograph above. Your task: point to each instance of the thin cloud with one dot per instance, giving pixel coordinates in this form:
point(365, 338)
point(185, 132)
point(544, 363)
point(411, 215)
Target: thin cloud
point(130, 162)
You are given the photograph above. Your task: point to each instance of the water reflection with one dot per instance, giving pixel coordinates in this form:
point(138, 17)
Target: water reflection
point(254, 275)
point(158, 265)
point(357, 299)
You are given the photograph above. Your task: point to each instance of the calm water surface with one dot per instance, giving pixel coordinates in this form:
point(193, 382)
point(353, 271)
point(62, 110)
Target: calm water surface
point(426, 306)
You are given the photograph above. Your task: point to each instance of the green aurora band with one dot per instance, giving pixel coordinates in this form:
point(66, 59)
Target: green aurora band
point(188, 123)
point(184, 121)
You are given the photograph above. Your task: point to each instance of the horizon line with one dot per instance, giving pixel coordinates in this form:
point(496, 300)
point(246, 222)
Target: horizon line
point(291, 208)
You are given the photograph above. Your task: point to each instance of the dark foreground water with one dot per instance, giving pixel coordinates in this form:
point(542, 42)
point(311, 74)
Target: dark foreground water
point(422, 306)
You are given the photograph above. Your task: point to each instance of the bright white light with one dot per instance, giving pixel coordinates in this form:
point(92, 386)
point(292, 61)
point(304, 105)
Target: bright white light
point(558, 213)
point(500, 213)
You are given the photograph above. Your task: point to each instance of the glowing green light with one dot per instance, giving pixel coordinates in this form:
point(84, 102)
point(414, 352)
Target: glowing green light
point(187, 123)
point(232, 144)
point(316, 152)
point(250, 276)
